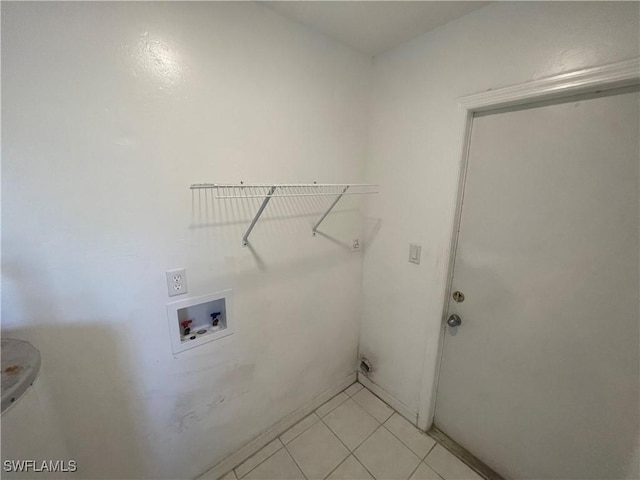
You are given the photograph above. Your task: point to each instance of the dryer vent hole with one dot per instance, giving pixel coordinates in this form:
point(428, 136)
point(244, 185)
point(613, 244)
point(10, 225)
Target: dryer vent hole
point(365, 366)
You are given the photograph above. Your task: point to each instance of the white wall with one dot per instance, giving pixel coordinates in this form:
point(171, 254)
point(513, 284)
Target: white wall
point(415, 151)
point(110, 111)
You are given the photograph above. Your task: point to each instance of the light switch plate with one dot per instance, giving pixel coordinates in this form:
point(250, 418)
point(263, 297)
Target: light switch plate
point(414, 253)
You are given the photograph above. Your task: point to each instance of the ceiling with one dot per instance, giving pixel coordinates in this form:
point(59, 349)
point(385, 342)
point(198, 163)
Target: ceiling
point(373, 27)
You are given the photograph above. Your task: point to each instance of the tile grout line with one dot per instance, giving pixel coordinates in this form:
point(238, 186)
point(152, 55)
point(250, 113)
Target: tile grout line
point(351, 396)
point(414, 470)
point(382, 424)
point(312, 413)
point(321, 419)
point(234, 474)
point(432, 447)
point(234, 469)
point(410, 449)
point(334, 434)
point(283, 445)
point(294, 460)
point(364, 410)
point(360, 444)
point(363, 407)
point(346, 446)
point(337, 466)
point(432, 468)
point(316, 410)
point(363, 465)
point(351, 451)
point(422, 460)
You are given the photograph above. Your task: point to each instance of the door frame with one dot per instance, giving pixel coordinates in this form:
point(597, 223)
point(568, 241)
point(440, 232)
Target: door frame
point(584, 81)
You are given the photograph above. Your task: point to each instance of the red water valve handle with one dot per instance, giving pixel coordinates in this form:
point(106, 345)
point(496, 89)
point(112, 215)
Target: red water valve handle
point(186, 323)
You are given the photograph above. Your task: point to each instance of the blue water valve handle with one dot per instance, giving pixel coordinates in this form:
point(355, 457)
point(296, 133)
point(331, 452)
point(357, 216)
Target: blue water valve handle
point(214, 318)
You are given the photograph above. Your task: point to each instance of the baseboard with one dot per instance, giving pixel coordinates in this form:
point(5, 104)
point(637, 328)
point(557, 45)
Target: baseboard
point(392, 401)
point(463, 454)
point(239, 456)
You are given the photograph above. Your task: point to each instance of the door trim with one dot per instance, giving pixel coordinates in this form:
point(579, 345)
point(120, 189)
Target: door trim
point(588, 80)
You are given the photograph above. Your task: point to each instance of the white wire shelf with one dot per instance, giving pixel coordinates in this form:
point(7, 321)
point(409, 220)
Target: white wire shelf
point(260, 190)
point(267, 191)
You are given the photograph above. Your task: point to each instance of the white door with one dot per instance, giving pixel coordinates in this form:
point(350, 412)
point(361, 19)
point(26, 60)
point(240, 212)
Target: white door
point(541, 378)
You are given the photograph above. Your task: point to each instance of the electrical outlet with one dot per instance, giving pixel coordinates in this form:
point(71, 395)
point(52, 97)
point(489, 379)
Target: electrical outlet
point(176, 282)
point(355, 246)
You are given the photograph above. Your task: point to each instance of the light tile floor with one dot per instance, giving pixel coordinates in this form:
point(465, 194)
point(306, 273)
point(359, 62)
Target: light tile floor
point(354, 436)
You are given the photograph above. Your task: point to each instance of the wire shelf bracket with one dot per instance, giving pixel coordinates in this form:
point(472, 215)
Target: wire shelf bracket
point(268, 191)
point(335, 202)
point(245, 238)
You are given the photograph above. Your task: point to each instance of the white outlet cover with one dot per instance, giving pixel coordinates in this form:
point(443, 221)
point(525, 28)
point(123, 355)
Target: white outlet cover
point(176, 282)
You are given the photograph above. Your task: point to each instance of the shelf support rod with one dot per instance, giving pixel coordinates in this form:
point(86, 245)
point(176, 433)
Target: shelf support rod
point(315, 227)
point(245, 239)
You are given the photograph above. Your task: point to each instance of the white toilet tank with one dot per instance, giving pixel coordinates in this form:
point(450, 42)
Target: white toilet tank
point(32, 444)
